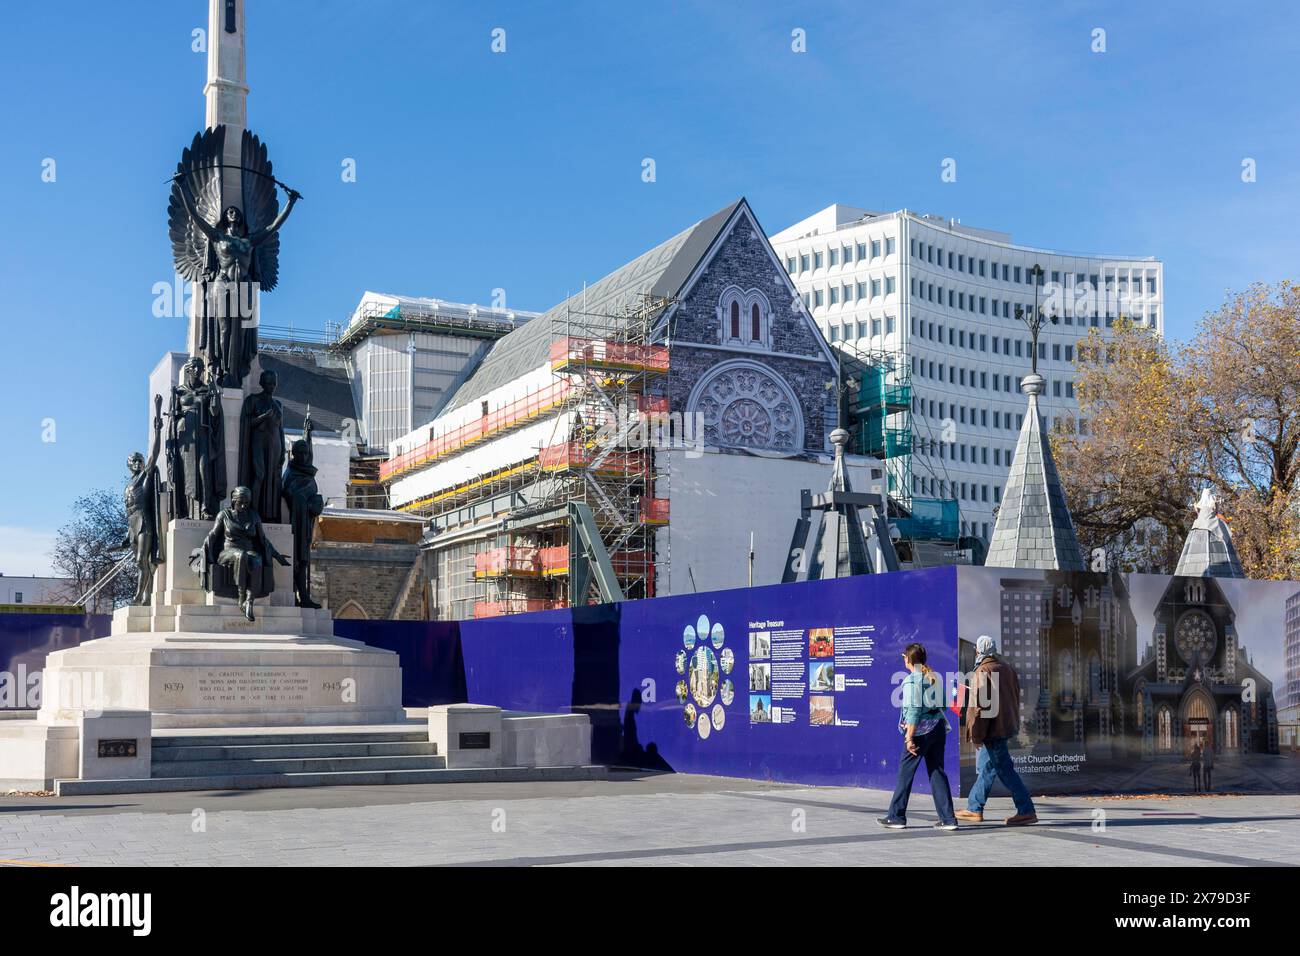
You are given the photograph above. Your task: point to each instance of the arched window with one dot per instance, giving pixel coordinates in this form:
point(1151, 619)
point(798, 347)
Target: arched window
point(1165, 729)
point(351, 611)
point(744, 317)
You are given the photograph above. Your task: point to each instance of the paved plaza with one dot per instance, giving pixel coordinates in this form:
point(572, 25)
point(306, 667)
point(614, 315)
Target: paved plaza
point(630, 820)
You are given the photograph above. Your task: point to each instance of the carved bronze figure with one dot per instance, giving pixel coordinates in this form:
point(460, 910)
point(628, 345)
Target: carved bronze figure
point(231, 251)
point(235, 560)
point(304, 503)
point(261, 448)
point(142, 503)
point(196, 444)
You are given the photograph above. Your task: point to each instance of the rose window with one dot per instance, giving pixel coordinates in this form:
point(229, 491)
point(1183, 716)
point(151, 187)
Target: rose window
point(748, 407)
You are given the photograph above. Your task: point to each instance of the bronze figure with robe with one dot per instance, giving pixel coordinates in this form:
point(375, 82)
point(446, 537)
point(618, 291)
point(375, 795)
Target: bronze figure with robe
point(235, 559)
point(304, 503)
point(196, 444)
point(261, 448)
point(229, 251)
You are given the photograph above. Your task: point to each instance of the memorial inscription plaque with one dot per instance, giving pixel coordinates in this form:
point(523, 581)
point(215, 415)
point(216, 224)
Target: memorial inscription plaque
point(121, 747)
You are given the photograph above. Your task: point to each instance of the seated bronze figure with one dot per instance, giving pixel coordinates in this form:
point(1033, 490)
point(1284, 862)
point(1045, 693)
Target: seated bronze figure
point(235, 560)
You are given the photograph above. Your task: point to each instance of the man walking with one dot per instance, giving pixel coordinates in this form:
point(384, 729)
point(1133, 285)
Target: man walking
point(1207, 766)
point(992, 716)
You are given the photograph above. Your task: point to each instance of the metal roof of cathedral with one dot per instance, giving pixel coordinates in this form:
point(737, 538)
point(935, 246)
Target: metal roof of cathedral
point(661, 272)
point(1034, 528)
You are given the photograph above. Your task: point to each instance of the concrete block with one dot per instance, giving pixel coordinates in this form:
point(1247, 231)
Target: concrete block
point(546, 740)
point(35, 753)
point(115, 745)
point(469, 735)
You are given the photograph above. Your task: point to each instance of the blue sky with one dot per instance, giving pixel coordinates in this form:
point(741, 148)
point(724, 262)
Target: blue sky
point(522, 170)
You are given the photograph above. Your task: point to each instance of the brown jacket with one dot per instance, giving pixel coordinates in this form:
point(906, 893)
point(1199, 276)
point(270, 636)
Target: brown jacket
point(994, 685)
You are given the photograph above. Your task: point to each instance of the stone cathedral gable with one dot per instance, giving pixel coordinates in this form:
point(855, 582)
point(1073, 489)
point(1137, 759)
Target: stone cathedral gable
point(746, 355)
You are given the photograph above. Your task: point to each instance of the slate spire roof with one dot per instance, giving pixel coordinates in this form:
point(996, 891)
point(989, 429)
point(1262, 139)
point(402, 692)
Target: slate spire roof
point(1208, 551)
point(661, 272)
point(1034, 528)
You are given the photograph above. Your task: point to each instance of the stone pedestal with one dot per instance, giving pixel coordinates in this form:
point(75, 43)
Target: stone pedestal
point(468, 735)
point(175, 582)
point(191, 659)
point(117, 744)
point(232, 403)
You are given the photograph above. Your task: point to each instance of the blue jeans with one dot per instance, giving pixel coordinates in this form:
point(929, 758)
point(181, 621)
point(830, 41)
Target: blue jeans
point(995, 761)
point(930, 749)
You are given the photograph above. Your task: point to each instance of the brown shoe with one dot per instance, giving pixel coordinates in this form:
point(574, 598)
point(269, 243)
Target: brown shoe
point(968, 815)
point(1022, 819)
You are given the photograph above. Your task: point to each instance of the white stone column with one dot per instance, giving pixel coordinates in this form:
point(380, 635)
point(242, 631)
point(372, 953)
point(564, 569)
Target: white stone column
point(226, 90)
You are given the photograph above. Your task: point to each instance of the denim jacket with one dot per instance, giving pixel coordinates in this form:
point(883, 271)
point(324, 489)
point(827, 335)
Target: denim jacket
point(922, 704)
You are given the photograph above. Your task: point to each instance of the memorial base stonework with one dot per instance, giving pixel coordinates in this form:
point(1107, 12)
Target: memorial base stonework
point(193, 660)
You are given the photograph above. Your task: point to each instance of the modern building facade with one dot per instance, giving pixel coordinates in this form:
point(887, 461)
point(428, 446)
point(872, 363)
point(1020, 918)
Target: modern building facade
point(941, 298)
point(29, 589)
point(1291, 652)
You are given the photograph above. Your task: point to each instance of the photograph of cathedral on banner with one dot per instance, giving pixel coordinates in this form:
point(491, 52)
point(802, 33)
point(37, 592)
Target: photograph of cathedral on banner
point(1142, 681)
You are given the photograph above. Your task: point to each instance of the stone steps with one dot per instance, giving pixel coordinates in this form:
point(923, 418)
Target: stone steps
point(169, 755)
point(306, 758)
point(294, 764)
point(324, 736)
point(362, 778)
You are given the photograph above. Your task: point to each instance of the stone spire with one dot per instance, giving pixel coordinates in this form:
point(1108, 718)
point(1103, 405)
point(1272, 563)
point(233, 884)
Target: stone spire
point(1034, 528)
point(829, 537)
point(226, 90)
point(1208, 551)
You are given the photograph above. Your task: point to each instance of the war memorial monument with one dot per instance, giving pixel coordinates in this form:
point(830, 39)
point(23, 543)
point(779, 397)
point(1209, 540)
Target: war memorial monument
point(222, 631)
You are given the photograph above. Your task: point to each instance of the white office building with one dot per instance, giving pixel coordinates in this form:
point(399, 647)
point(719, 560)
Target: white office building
point(943, 296)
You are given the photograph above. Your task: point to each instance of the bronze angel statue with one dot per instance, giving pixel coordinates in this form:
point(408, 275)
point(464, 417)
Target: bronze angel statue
point(228, 250)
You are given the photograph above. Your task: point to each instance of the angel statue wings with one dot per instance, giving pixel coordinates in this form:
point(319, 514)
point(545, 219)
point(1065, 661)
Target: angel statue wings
point(230, 251)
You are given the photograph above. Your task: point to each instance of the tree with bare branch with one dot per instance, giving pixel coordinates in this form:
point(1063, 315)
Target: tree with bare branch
point(90, 545)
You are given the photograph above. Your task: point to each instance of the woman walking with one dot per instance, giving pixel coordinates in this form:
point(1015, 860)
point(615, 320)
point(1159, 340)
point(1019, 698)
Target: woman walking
point(924, 728)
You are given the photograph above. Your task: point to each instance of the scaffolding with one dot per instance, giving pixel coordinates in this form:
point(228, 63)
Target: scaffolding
point(589, 498)
point(880, 406)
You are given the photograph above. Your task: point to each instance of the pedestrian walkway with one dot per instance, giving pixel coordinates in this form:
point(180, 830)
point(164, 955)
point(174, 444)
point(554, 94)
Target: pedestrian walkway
point(630, 819)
